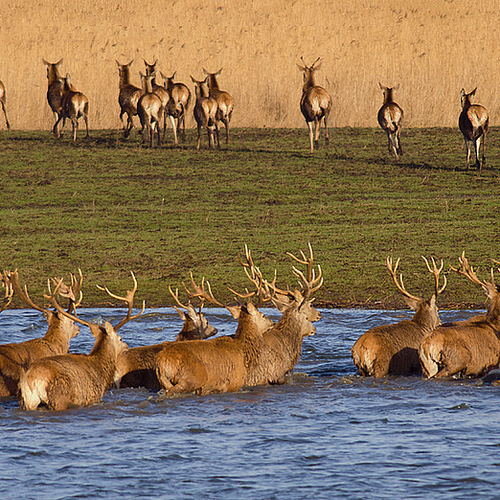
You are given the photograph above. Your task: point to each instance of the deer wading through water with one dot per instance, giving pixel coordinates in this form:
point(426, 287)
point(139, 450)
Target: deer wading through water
point(465, 348)
point(315, 103)
point(393, 349)
point(390, 117)
point(16, 358)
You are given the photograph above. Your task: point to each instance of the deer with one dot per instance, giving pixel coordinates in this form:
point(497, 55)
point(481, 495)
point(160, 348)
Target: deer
point(465, 348)
point(3, 103)
point(55, 90)
point(15, 358)
point(75, 380)
point(225, 102)
point(205, 111)
point(135, 367)
point(74, 105)
point(473, 123)
point(128, 97)
point(315, 103)
point(150, 110)
point(282, 343)
point(215, 365)
point(180, 97)
point(390, 117)
point(393, 349)
point(9, 291)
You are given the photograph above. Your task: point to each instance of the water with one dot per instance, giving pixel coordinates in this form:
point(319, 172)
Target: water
point(327, 433)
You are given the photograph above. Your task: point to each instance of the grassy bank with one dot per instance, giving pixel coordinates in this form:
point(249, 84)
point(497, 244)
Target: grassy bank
point(108, 206)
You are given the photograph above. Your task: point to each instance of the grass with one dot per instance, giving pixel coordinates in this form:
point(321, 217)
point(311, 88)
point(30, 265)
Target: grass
point(109, 206)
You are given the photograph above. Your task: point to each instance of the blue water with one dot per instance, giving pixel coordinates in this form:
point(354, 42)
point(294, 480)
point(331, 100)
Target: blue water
point(327, 433)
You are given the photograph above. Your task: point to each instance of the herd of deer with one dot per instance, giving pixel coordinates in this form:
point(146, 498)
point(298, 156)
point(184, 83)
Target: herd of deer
point(155, 101)
point(261, 351)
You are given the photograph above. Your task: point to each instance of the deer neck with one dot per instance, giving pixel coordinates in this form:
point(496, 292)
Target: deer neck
point(212, 83)
point(493, 314)
point(56, 335)
point(124, 76)
point(309, 82)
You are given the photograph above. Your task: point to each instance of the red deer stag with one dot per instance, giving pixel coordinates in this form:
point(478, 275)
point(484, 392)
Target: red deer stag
point(390, 116)
point(60, 382)
point(135, 367)
point(315, 104)
point(128, 97)
point(150, 110)
point(3, 103)
point(473, 122)
point(225, 102)
point(205, 111)
point(16, 358)
point(74, 105)
point(465, 348)
point(214, 365)
point(393, 349)
point(180, 97)
point(54, 92)
point(282, 344)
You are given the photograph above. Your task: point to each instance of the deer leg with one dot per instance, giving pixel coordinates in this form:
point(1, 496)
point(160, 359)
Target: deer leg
point(394, 145)
point(174, 128)
point(226, 125)
point(5, 114)
point(327, 137)
point(199, 137)
point(317, 127)
point(74, 124)
point(484, 154)
point(217, 135)
point(311, 135)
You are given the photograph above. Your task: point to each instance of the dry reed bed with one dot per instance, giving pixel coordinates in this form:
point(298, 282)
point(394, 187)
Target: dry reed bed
point(432, 49)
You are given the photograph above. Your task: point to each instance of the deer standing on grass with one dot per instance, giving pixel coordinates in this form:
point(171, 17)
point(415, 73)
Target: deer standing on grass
point(225, 102)
point(180, 97)
point(150, 110)
point(60, 382)
point(3, 103)
point(315, 103)
point(135, 367)
point(16, 358)
point(205, 111)
point(162, 93)
point(55, 90)
point(473, 122)
point(390, 116)
point(128, 97)
point(74, 105)
point(465, 348)
point(393, 349)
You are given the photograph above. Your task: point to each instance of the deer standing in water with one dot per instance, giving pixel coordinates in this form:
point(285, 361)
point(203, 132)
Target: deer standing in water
point(55, 90)
point(16, 358)
point(473, 122)
point(315, 104)
point(393, 349)
point(3, 103)
point(60, 382)
point(225, 102)
point(128, 97)
point(180, 97)
point(465, 348)
point(205, 111)
point(150, 110)
point(74, 105)
point(390, 116)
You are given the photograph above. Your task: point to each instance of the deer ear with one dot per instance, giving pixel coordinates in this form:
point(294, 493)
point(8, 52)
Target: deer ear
point(411, 302)
point(181, 313)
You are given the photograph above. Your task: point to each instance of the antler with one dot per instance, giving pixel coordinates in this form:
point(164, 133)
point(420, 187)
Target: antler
point(311, 283)
point(128, 299)
point(22, 294)
point(9, 291)
point(200, 292)
point(435, 271)
point(72, 292)
point(399, 285)
point(467, 271)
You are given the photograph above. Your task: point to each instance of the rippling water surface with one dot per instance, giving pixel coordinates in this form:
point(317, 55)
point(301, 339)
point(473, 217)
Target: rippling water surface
point(327, 433)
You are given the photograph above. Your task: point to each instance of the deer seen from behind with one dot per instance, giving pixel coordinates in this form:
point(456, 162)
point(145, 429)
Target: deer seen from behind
point(180, 97)
point(150, 110)
point(465, 348)
point(473, 123)
point(315, 103)
point(390, 117)
point(15, 358)
point(54, 91)
point(162, 93)
point(205, 111)
point(393, 349)
point(64, 381)
point(3, 102)
point(128, 97)
point(225, 102)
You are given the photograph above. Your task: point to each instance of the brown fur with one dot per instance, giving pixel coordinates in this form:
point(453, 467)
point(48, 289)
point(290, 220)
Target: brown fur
point(54, 91)
point(128, 97)
point(390, 116)
point(180, 97)
point(150, 110)
point(205, 111)
point(3, 102)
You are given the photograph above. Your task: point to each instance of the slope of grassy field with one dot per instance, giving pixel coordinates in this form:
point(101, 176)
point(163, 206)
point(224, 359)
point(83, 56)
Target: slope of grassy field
point(108, 206)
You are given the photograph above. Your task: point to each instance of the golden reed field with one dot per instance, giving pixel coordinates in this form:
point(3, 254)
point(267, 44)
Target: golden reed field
point(432, 48)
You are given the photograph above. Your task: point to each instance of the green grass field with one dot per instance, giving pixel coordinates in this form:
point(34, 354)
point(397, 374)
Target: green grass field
point(109, 206)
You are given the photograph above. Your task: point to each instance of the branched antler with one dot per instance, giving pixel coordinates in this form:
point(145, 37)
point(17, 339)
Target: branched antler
point(399, 284)
point(200, 292)
point(436, 272)
point(311, 283)
point(9, 291)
